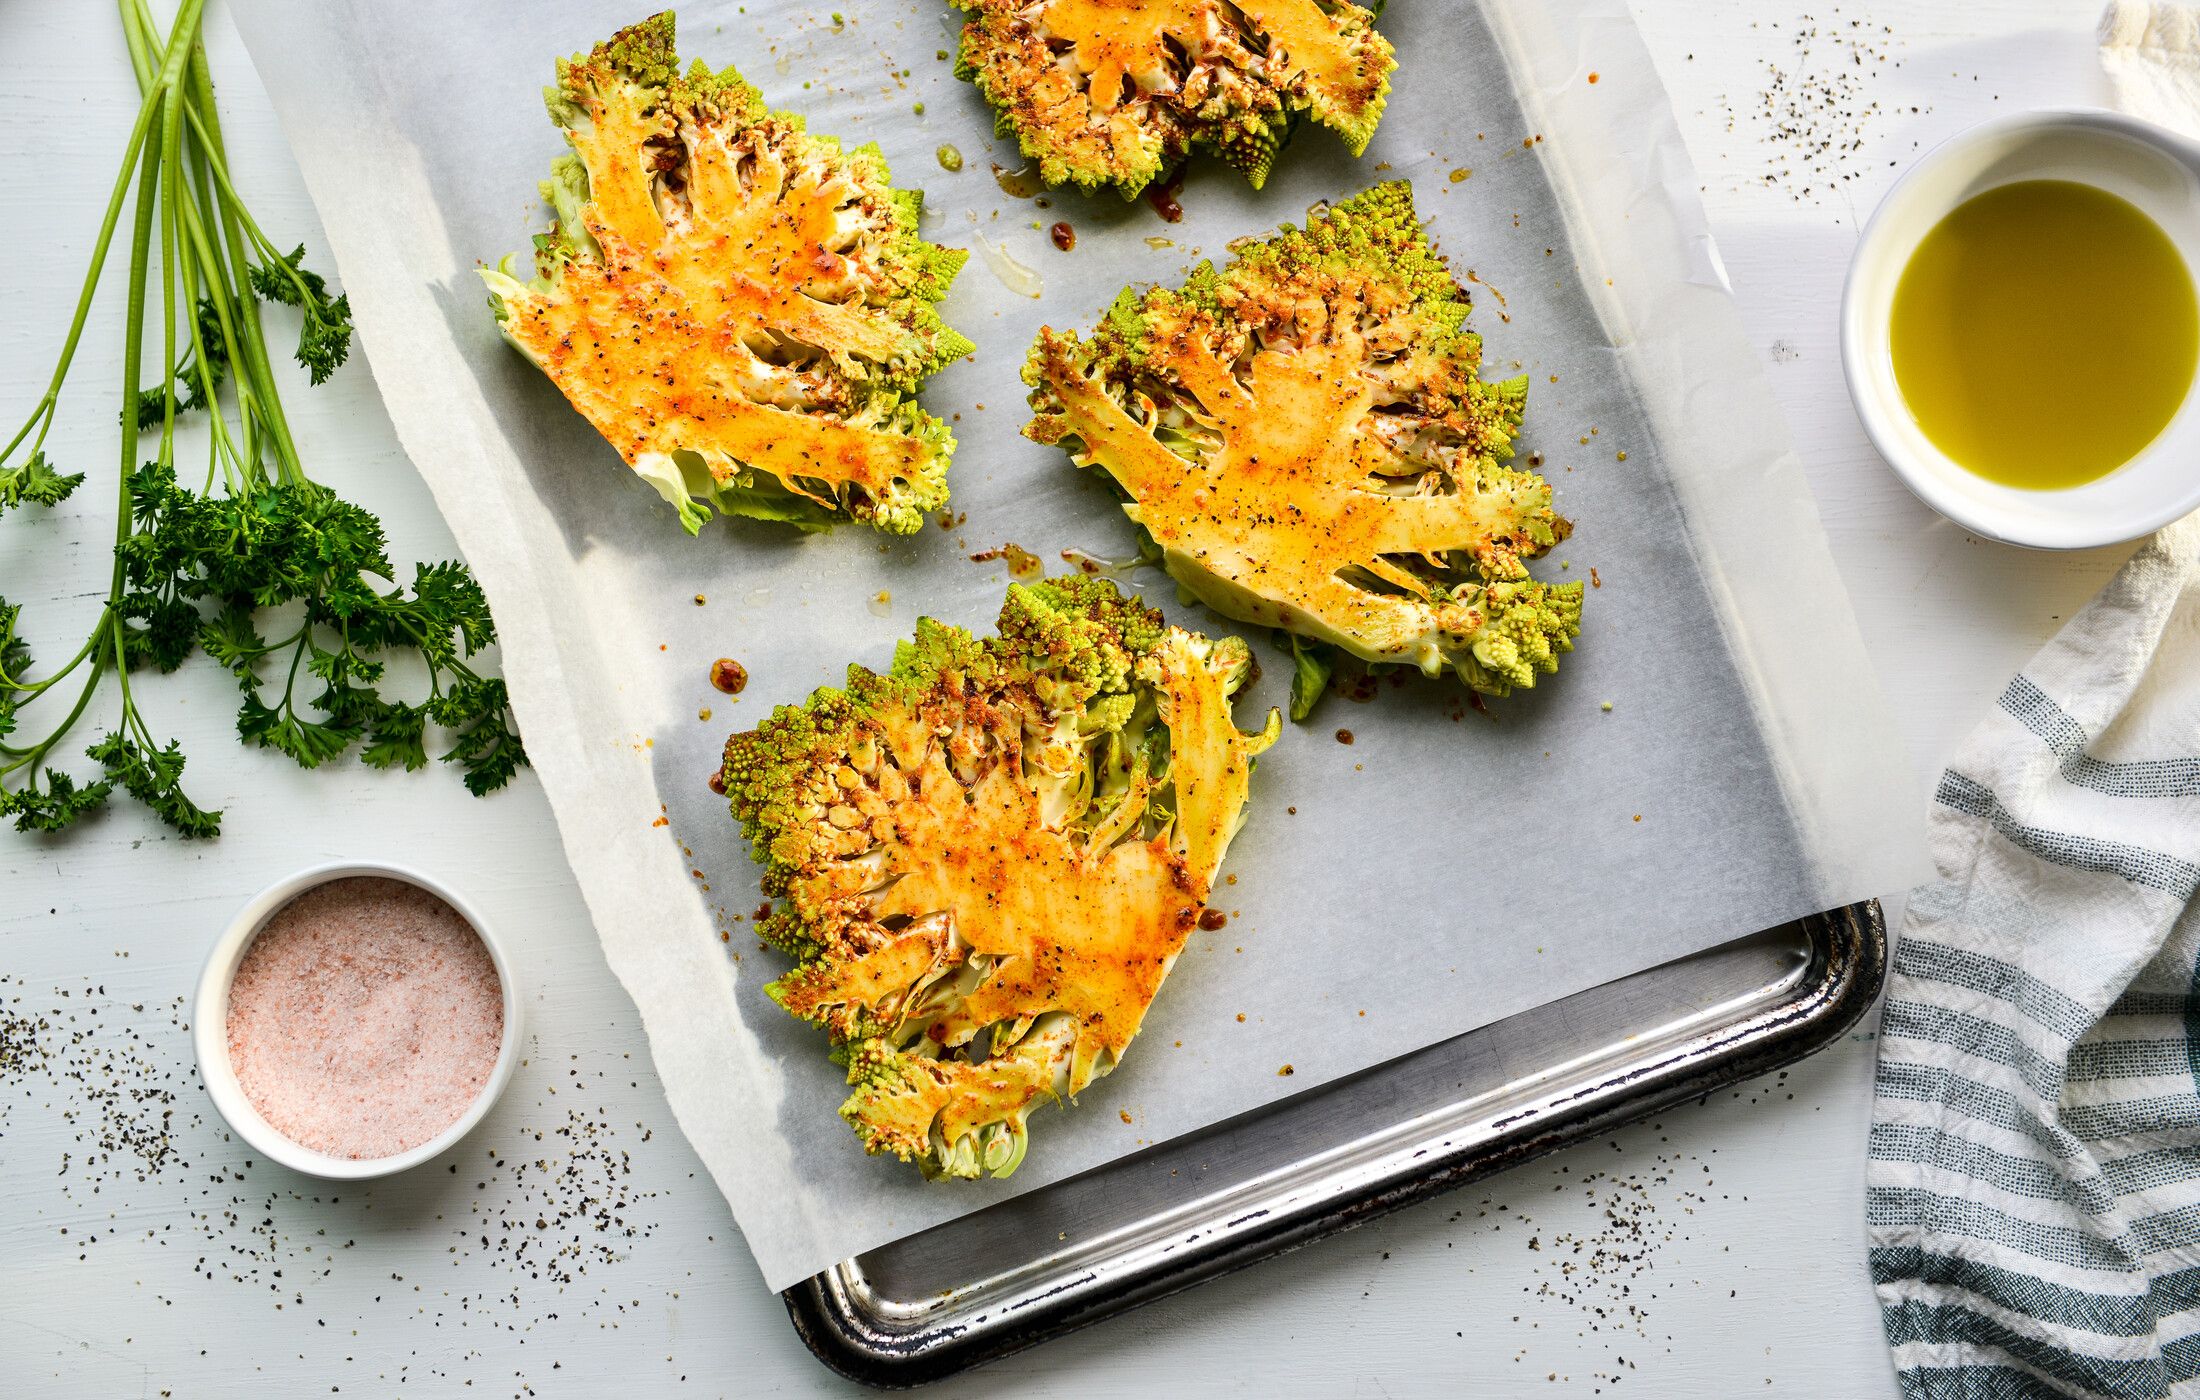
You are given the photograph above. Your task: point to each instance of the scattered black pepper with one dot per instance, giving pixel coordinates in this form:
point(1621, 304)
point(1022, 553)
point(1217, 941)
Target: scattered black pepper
point(1814, 120)
point(120, 1092)
point(121, 1080)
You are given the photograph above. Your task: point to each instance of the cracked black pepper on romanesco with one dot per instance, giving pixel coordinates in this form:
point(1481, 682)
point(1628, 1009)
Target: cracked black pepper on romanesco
point(1103, 93)
point(988, 857)
point(743, 309)
point(1306, 438)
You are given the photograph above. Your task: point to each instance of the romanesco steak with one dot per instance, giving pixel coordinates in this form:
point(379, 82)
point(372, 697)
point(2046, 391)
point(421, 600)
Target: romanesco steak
point(1305, 436)
point(989, 857)
point(742, 309)
point(1115, 92)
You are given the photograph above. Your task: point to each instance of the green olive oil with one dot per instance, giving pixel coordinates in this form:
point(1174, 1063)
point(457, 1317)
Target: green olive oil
point(2044, 333)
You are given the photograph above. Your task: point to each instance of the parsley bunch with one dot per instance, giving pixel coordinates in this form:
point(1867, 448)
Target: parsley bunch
point(269, 573)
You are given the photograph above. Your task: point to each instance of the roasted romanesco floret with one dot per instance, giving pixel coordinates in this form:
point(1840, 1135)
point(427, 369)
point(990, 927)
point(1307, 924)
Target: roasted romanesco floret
point(1306, 438)
point(1111, 92)
point(988, 857)
point(742, 309)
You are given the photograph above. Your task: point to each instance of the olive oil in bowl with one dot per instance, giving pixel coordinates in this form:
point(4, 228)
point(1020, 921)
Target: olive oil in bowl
point(2044, 332)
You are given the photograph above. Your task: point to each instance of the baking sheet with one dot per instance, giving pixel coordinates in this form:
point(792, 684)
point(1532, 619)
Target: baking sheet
point(1443, 870)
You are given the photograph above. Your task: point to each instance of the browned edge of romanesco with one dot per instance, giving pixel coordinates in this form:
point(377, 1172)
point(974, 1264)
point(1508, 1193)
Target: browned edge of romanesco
point(987, 856)
point(1304, 437)
point(781, 389)
point(1106, 96)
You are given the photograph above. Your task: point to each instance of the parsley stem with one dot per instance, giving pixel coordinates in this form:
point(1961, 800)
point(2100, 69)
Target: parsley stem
point(171, 235)
point(200, 104)
point(133, 343)
point(266, 246)
point(32, 755)
point(231, 313)
point(104, 646)
point(141, 37)
point(42, 415)
point(192, 570)
point(130, 716)
point(26, 689)
point(237, 316)
point(222, 451)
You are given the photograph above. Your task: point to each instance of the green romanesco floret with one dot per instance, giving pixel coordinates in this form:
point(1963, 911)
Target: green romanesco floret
point(743, 309)
point(1306, 438)
point(989, 856)
point(1525, 624)
point(1104, 93)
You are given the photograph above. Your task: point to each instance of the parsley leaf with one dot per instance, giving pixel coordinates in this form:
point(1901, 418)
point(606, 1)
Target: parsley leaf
point(35, 481)
point(155, 777)
point(398, 739)
point(283, 583)
point(324, 339)
point(15, 663)
point(61, 804)
point(484, 743)
point(304, 742)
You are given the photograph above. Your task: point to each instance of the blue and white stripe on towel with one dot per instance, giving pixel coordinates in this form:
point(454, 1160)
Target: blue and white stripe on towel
point(2033, 1193)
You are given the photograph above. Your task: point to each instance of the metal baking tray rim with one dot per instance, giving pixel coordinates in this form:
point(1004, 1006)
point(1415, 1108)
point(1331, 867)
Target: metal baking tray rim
point(874, 1340)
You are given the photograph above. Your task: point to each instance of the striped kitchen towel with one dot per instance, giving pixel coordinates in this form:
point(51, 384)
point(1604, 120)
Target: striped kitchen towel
point(2033, 1193)
point(2034, 1185)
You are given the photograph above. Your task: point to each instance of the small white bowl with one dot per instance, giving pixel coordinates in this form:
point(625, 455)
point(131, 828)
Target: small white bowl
point(2153, 168)
point(210, 1028)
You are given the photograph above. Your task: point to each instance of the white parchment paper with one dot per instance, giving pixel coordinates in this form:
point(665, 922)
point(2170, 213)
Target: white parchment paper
point(1444, 870)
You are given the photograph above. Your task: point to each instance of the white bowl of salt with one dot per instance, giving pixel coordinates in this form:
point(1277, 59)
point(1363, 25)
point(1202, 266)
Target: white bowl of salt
point(356, 1019)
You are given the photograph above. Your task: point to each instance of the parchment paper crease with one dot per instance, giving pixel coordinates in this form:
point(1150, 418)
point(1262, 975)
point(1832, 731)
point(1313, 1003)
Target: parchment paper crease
point(1444, 870)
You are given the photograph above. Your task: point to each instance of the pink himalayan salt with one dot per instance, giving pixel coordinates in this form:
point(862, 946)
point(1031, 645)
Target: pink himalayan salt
point(365, 1018)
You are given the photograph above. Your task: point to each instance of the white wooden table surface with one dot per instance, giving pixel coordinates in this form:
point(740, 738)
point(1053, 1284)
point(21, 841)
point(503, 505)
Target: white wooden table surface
point(1716, 1252)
